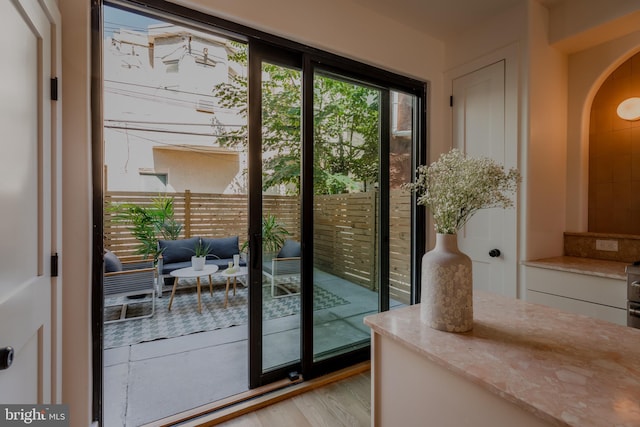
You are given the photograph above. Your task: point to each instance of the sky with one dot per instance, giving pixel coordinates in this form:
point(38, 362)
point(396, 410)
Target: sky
point(114, 19)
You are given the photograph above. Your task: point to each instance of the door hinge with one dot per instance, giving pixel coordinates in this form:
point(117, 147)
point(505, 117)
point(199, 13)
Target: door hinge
point(451, 101)
point(54, 265)
point(54, 89)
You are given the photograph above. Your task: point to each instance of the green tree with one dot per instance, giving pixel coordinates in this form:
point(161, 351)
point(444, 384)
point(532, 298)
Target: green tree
point(346, 131)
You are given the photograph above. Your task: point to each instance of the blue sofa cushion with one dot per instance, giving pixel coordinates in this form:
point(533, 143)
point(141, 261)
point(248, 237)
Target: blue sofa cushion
point(223, 247)
point(290, 249)
point(168, 268)
point(111, 262)
point(180, 250)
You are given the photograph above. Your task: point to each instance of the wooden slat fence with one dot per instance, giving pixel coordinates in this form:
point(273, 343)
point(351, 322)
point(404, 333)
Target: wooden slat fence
point(345, 229)
point(345, 236)
point(202, 214)
point(400, 246)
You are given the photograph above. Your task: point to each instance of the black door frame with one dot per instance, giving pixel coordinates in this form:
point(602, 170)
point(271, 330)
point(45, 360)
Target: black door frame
point(258, 53)
point(310, 58)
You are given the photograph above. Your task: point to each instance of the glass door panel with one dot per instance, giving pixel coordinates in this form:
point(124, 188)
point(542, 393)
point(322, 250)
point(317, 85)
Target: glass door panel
point(401, 143)
point(281, 247)
point(345, 226)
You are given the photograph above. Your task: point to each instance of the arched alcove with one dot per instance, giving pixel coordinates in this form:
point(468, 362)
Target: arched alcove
point(614, 155)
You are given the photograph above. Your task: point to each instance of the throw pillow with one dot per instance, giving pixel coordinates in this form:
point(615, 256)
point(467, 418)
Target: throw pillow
point(223, 247)
point(180, 250)
point(290, 249)
point(111, 262)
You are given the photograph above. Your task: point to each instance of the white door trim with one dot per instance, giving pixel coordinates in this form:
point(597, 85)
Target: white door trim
point(50, 8)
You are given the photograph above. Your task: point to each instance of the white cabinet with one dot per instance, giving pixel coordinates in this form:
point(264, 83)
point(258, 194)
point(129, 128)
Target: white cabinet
point(600, 297)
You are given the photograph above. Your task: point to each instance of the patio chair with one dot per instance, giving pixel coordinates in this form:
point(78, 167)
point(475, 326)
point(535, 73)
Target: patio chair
point(284, 266)
point(125, 279)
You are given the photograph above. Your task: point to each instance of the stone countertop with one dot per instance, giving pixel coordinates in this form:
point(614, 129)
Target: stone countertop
point(568, 369)
point(590, 266)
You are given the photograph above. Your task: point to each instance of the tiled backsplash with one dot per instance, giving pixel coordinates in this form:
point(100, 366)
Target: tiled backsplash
point(612, 247)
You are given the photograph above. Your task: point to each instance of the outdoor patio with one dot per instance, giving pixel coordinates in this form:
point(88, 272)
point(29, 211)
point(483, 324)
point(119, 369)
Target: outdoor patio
point(145, 381)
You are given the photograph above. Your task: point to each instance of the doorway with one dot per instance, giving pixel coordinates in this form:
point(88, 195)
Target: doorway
point(480, 114)
point(306, 172)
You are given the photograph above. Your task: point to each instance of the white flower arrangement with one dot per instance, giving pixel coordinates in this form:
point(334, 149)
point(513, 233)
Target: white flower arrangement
point(455, 187)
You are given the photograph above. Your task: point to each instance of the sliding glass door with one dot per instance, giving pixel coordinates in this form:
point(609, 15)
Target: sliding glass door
point(275, 152)
point(328, 153)
point(299, 153)
point(281, 148)
point(347, 219)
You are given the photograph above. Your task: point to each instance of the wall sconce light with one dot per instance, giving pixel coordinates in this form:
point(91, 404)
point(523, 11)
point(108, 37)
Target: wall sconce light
point(629, 109)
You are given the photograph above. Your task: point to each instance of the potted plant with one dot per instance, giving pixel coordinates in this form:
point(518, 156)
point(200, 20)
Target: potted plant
point(454, 188)
point(200, 255)
point(273, 236)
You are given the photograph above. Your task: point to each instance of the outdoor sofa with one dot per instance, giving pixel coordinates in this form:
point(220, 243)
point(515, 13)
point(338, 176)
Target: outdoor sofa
point(176, 254)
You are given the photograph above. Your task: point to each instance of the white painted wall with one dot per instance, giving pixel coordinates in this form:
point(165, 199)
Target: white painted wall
point(576, 25)
point(544, 151)
point(76, 211)
point(478, 42)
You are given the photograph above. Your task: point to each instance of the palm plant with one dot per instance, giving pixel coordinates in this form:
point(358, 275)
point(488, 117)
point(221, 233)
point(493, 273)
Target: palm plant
point(148, 223)
point(273, 234)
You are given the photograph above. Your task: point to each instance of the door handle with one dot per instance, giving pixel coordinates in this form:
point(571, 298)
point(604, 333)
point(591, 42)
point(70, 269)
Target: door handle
point(6, 357)
point(494, 253)
point(253, 249)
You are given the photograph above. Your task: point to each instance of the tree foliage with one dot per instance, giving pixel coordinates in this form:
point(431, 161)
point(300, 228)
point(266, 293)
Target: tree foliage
point(346, 131)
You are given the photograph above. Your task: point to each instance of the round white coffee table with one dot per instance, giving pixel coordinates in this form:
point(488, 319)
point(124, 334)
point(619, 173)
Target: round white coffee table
point(190, 273)
point(241, 271)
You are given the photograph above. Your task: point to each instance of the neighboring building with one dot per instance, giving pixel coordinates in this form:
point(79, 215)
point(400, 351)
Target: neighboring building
point(160, 116)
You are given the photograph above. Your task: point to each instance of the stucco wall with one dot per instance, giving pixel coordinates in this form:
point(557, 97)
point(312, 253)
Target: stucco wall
point(206, 173)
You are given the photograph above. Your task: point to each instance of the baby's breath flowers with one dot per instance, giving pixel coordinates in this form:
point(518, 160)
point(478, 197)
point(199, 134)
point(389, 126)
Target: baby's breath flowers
point(455, 187)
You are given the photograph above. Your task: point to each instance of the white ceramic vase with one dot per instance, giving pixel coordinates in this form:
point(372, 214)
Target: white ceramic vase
point(197, 262)
point(447, 287)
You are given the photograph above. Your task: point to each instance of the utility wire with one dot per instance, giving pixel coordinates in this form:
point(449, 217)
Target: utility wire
point(169, 123)
point(158, 88)
point(173, 132)
point(184, 146)
point(160, 98)
point(160, 131)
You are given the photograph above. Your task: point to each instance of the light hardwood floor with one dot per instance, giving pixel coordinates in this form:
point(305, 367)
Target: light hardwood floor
point(342, 403)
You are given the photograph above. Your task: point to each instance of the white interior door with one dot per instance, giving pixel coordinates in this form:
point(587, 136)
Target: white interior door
point(26, 182)
point(479, 131)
